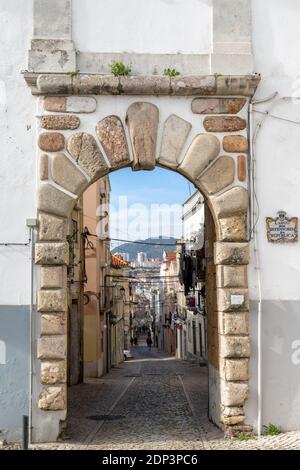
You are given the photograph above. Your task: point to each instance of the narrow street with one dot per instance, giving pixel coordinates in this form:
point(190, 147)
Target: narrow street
point(151, 401)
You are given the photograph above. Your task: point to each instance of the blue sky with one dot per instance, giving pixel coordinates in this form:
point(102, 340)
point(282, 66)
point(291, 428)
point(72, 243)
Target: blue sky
point(134, 217)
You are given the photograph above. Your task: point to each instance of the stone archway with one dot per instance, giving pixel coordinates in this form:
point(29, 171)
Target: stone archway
point(215, 162)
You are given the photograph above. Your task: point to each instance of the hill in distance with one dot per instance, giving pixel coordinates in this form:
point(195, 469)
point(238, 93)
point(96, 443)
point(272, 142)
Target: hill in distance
point(152, 251)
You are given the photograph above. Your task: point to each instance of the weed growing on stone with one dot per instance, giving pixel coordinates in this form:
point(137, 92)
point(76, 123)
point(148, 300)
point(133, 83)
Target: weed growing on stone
point(120, 69)
point(171, 72)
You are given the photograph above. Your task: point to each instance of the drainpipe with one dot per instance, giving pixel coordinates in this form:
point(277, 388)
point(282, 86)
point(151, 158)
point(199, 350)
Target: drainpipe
point(31, 223)
point(253, 234)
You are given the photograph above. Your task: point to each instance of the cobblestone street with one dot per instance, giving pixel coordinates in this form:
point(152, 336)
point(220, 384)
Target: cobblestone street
point(151, 401)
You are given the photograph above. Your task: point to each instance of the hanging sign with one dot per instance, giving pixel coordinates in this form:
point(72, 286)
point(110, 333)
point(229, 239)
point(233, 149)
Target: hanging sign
point(282, 229)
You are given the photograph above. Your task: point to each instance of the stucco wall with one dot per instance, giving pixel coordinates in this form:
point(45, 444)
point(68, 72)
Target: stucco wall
point(143, 26)
point(276, 50)
point(18, 161)
point(14, 371)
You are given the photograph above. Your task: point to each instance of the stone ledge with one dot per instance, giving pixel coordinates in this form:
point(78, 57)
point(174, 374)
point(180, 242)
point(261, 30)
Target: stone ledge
point(186, 85)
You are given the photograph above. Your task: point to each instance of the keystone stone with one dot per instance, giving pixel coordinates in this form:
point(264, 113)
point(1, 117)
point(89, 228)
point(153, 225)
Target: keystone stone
point(142, 120)
point(111, 134)
point(202, 151)
point(175, 133)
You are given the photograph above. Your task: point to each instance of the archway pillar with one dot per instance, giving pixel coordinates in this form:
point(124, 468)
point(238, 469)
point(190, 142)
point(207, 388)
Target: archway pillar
point(231, 259)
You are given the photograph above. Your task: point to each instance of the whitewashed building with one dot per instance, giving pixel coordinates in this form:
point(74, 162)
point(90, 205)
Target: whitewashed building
point(239, 69)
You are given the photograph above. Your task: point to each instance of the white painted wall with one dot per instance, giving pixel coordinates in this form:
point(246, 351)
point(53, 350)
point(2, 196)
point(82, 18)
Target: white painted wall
point(276, 55)
point(143, 26)
point(17, 161)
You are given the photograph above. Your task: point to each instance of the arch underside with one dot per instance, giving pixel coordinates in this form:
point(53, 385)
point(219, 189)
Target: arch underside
point(215, 161)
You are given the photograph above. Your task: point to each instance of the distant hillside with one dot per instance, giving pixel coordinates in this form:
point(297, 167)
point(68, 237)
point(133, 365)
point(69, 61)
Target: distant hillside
point(153, 251)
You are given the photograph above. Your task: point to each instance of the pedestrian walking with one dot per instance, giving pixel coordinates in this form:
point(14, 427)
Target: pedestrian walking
point(149, 342)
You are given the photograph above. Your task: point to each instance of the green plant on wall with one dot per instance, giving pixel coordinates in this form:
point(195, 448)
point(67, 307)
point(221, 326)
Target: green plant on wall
point(171, 72)
point(119, 68)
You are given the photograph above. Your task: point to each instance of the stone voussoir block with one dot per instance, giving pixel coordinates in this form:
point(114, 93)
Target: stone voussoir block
point(175, 133)
point(51, 141)
point(54, 323)
point(234, 346)
point(67, 174)
point(53, 372)
point(219, 175)
point(203, 150)
point(85, 151)
point(52, 347)
point(142, 120)
point(224, 124)
point(58, 122)
point(232, 201)
point(231, 299)
point(231, 253)
point(52, 253)
point(111, 134)
point(52, 228)
point(53, 398)
point(55, 300)
point(55, 201)
point(217, 105)
point(233, 393)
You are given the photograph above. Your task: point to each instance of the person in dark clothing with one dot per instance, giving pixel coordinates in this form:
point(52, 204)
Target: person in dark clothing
point(149, 342)
point(135, 341)
point(131, 341)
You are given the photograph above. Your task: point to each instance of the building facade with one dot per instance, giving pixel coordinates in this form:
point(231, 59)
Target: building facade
point(239, 150)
